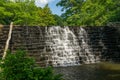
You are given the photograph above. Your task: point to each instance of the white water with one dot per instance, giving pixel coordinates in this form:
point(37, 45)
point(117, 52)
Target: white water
point(87, 56)
point(64, 48)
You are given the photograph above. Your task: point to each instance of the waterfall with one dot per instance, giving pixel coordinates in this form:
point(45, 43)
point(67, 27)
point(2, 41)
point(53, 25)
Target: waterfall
point(88, 56)
point(64, 46)
point(64, 49)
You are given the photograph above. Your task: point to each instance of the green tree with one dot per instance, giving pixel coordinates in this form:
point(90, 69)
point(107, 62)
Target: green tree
point(46, 17)
point(99, 12)
point(72, 10)
point(90, 12)
point(4, 14)
point(25, 13)
point(59, 20)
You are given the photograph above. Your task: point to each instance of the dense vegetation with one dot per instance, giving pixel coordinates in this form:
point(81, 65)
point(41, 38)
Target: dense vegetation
point(77, 13)
point(25, 13)
point(18, 66)
point(90, 12)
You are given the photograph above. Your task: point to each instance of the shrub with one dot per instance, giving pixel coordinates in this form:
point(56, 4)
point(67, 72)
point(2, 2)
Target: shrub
point(19, 66)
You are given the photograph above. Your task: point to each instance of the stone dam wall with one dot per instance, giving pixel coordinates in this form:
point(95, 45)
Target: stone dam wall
point(103, 42)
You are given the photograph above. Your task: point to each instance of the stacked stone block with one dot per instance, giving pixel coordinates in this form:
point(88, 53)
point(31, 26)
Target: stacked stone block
point(104, 41)
point(4, 30)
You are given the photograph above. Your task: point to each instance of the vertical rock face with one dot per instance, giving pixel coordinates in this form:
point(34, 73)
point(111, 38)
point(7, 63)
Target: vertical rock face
point(66, 46)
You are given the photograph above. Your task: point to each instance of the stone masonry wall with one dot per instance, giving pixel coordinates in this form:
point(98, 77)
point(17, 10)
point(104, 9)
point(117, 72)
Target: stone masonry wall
point(104, 41)
point(4, 30)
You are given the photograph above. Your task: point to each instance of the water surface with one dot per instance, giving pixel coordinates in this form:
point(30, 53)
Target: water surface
point(88, 72)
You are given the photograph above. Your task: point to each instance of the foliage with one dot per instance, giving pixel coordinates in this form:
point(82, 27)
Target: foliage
point(25, 13)
point(72, 10)
point(59, 20)
point(46, 18)
point(90, 12)
point(19, 66)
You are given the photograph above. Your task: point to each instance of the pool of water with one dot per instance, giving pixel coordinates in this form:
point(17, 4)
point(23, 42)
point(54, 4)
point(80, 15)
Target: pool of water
point(88, 72)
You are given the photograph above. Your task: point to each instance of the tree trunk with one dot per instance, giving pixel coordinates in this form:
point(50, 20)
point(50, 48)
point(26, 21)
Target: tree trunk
point(8, 41)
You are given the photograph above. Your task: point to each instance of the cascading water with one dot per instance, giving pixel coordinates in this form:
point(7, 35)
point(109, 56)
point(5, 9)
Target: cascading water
point(87, 56)
point(64, 48)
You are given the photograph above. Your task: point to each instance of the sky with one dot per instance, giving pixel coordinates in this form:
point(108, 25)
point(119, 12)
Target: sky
point(52, 4)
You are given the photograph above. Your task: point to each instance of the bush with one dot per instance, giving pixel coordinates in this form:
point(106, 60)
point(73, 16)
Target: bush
point(19, 66)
